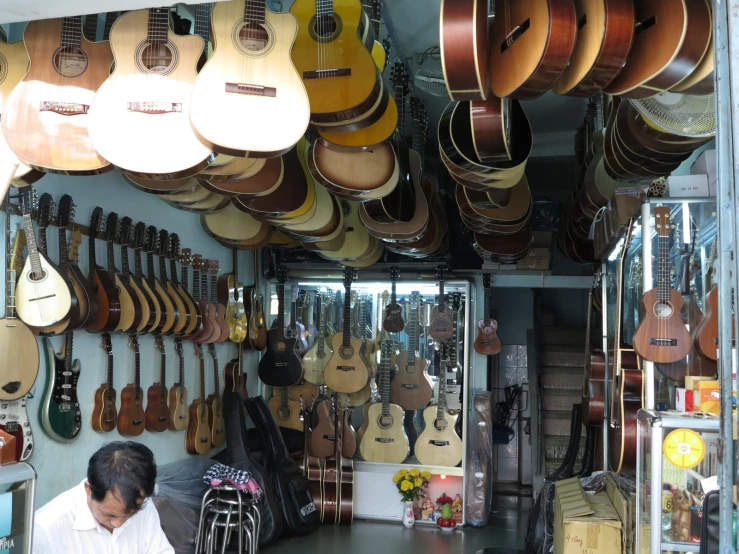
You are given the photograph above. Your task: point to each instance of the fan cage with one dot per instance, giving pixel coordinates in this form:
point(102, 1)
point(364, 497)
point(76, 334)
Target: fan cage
point(679, 114)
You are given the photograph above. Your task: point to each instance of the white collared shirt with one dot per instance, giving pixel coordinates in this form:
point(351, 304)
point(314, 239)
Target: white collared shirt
point(66, 525)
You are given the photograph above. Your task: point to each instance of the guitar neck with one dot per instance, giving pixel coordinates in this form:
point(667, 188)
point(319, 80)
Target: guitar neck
point(347, 316)
point(486, 315)
point(195, 283)
point(67, 400)
point(182, 363)
point(125, 262)
point(72, 31)
point(158, 25)
point(111, 259)
point(213, 288)
point(137, 370)
point(33, 253)
point(280, 328)
point(663, 269)
point(202, 385)
point(162, 268)
point(204, 287)
point(412, 331)
point(235, 265)
point(63, 258)
point(441, 404)
point(150, 266)
point(184, 277)
point(441, 295)
point(362, 319)
point(163, 369)
point(173, 271)
point(324, 9)
point(384, 387)
point(139, 266)
point(323, 324)
point(202, 22)
point(110, 364)
point(216, 379)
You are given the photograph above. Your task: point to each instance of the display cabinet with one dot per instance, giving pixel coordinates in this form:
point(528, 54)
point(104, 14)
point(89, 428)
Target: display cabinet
point(17, 504)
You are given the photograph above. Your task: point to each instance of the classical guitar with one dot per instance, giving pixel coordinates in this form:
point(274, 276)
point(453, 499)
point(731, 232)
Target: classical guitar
point(191, 313)
point(198, 435)
point(135, 287)
point(19, 353)
point(157, 410)
point(251, 82)
point(46, 117)
point(315, 360)
point(42, 295)
point(487, 342)
point(179, 416)
point(173, 292)
point(168, 310)
point(147, 100)
point(338, 72)
point(393, 322)
point(196, 323)
point(287, 412)
point(280, 365)
point(345, 465)
point(297, 329)
point(131, 416)
point(215, 405)
point(384, 439)
point(705, 335)
point(346, 370)
point(323, 437)
point(234, 378)
point(104, 412)
point(594, 387)
point(59, 410)
point(231, 295)
point(441, 327)
point(68, 262)
point(257, 328)
point(218, 308)
point(492, 129)
point(439, 444)
point(157, 314)
point(530, 45)
point(131, 309)
point(411, 388)
point(14, 421)
point(307, 318)
point(661, 335)
point(210, 330)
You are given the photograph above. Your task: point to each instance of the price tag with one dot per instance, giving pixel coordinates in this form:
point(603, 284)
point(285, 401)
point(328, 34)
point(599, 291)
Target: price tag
point(684, 448)
point(709, 484)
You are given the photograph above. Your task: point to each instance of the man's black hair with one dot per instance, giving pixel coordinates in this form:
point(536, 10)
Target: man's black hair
point(126, 469)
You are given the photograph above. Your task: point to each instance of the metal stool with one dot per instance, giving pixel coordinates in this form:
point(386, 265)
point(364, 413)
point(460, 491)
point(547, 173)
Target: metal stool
point(223, 510)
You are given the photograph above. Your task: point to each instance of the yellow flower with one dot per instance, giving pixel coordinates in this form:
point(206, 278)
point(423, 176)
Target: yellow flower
point(405, 486)
point(418, 482)
point(408, 478)
point(415, 472)
point(403, 472)
point(396, 478)
point(426, 475)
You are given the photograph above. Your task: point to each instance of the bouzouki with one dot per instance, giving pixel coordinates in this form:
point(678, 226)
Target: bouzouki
point(131, 416)
point(196, 327)
point(411, 388)
point(439, 444)
point(106, 293)
point(157, 410)
point(393, 322)
point(345, 370)
point(487, 342)
point(215, 405)
point(441, 328)
point(173, 292)
point(594, 388)
point(179, 415)
point(210, 331)
point(131, 309)
point(198, 435)
point(59, 411)
point(280, 365)
point(156, 307)
point(191, 314)
point(104, 412)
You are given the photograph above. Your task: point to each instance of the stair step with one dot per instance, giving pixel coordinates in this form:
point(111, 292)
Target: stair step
point(561, 336)
point(556, 423)
point(562, 378)
point(561, 400)
point(563, 358)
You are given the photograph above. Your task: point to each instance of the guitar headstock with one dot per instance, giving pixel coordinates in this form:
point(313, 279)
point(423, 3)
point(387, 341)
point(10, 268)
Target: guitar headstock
point(456, 301)
point(111, 227)
point(386, 350)
point(28, 200)
point(281, 275)
point(415, 299)
point(443, 351)
point(74, 247)
point(139, 235)
point(399, 78)
point(212, 350)
point(16, 255)
point(662, 221)
point(133, 342)
point(173, 252)
point(152, 240)
point(394, 274)
point(349, 274)
point(159, 343)
point(106, 343)
point(162, 242)
point(178, 348)
point(96, 222)
point(486, 281)
point(186, 257)
point(197, 262)
point(441, 272)
point(126, 232)
point(214, 266)
point(66, 211)
point(45, 210)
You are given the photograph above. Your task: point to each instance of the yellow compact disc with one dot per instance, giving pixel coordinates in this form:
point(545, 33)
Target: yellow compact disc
point(684, 448)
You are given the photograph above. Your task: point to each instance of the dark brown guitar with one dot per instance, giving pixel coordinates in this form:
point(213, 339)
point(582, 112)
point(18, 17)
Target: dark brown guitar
point(345, 494)
point(157, 410)
point(323, 437)
point(441, 327)
point(215, 405)
point(594, 391)
point(104, 413)
point(109, 306)
point(464, 48)
point(131, 417)
point(131, 309)
point(487, 342)
point(233, 375)
point(218, 308)
point(393, 322)
point(705, 335)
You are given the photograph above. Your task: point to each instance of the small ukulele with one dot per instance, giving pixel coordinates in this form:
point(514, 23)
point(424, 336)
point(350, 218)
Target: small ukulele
point(198, 435)
point(393, 322)
point(157, 411)
point(179, 416)
point(104, 412)
point(487, 342)
point(441, 316)
point(131, 417)
point(215, 405)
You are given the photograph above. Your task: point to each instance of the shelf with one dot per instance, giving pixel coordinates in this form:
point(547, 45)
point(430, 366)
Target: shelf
point(377, 467)
point(680, 547)
point(539, 280)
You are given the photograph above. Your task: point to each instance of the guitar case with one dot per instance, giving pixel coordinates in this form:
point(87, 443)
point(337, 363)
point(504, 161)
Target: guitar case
point(710, 525)
point(291, 486)
point(237, 457)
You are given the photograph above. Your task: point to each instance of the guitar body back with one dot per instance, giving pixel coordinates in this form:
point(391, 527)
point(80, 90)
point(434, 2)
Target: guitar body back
point(62, 426)
point(662, 339)
point(194, 321)
point(131, 417)
point(157, 411)
point(179, 416)
point(45, 302)
point(131, 313)
point(53, 139)
point(197, 437)
point(345, 370)
point(622, 436)
point(104, 413)
point(85, 295)
point(148, 312)
point(411, 388)
point(109, 308)
point(384, 444)
point(168, 307)
point(706, 334)
point(594, 403)
point(157, 323)
point(236, 316)
point(19, 358)
point(280, 365)
point(180, 308)
point(439, 447)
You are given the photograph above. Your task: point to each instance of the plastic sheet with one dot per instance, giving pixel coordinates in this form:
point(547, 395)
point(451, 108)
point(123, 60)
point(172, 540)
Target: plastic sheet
point(179, 523)
point(480, 461)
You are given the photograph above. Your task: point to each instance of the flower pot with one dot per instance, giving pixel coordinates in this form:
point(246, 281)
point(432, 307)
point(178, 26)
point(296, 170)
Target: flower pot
point(409, 518)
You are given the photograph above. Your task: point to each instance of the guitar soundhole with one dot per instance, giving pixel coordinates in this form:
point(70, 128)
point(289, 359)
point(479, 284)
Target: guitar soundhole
point(70, 61)
point(663, 310)
point(157, 58)
point(284, 412)
point(346, 352)
point(253, 37)
point(325, 26)
point(385, 421)
point(3, 68)
point(440, 424)
point(36, 278)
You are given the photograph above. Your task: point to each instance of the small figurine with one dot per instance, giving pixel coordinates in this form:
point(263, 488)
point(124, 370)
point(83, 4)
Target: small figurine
point(427, 509)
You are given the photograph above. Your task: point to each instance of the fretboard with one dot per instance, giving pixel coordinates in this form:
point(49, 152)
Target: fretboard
point(663, 269)
point(441, 295)
point(324, 9)
point(72, 31)
point(139, 267)
point(150, 266)
point(202, 386)
point(322, 330)
point(111, 259)
point(254, 10)
point(384, 387)
point(158, 25)
point(137, 370)
point(33, 254)
point(110, 364)
point(347, 315)
point(163, 368)
point(486, 315)
point(280, 328)
point(66, 382)
point(173, 270)
point(202, 21)
point(441, 404)
point(162, 269)
point(412, 331)
point(63, 259)
point(178, 349)
point(195, 282)
point(125, 262)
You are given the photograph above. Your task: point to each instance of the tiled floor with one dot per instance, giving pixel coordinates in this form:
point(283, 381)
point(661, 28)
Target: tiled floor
point(507, 529)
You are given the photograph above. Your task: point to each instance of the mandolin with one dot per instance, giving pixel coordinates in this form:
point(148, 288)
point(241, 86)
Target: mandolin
point(191, 313)
point(315, 360)
point(393, 322)
point(168, 310)
point(179, 416)
point(157, 410)
point(411, 388)
point(46, 118)
point(346, 371)
point(218, 308)
point(487, 342)
point(215, 405)
point(156, 308)
point(441, 327)
point(106, 293)
point(198, 435)
point(59, 410)
point(14, 421)
point(384, 439)
point(280, 365)
point(338, 72)
point(210, 331)
point(147, 100)
point(661, 335)
point(131, 416)
point(439, 444)
point(19, 354)
point(68, 262)
point(231, 295)
point(287, 412)
point(131, 309)
point(104, 412)
point(43, 296)
point(251, 82)
point(134, 285)
point(196, 322)
point(323, 437)
point(594, 389)
point(234, 377)
point(173, 292)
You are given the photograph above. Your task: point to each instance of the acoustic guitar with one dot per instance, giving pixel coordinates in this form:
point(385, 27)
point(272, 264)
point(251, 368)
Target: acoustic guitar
point(198, 435)
point(491, 126)
point(439, 444)
point(170, 316)
point(196, 327)
point(315, 360)
point(19, 353)
point(487, 342)
point(218, 308)
point(286, 411)
point(157, 316)
point(157, 411)
point(191, 312)
point(251, 82)
point(411, 388)
point(280, 365)
point(705, 334)
point(231, 295)
point(59, 410)
point(661, 335)
point(179, 415)
point(131, 309)
point(310, 464)
point(173, 292)
point(234, 377)
point(393, 322)
point(346, 370)
point(42, 295)
point(46, 118)
point(384, 439)
point(215, 404)
point(594, 387)
point(441, 327)
point(131, 416)
point(147, 100)
point(323, 437)
point(104, 412)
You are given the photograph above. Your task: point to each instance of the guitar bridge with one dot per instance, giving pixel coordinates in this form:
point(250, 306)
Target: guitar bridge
point(663, 342)
point(345, 368)
point(253, 90)
point(63, 108)
point(154, 107)
point(162, 418)
point(384, 440)
point(321, 73)
point(408, 386)
point(439, 443)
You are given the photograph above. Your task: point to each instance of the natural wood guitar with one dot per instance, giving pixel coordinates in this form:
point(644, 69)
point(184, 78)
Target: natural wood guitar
point(215, 405)
point(257, 323)
point(287, 412)
point(234, 377)
point(131, 309)
point(157, 409)
point(191, 312)
point(251, 82)
point(198, 435)
point(173, 292)
point(131, 416)
point(393, 322)
point(487, 342)
point(46, 118)
point(59, 410)
point(179, 416)
point(315, 360)
point(441, 326)
point(147, 100)
point(230, 295)
point(218, 308)
point(104, 412)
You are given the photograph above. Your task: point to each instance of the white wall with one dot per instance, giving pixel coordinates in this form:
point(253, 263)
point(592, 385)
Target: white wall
point(61, 466)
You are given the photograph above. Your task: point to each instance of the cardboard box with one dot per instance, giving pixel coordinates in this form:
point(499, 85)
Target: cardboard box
point(7, 448)
point(625, 505)
point(584, 523)
point(539, 259)
point(691, 380)
point(684, 400)
point(706, 397)
point(705, 164)
point(687, 186)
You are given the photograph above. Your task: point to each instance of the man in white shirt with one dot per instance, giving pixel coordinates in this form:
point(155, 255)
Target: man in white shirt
point(109, 512)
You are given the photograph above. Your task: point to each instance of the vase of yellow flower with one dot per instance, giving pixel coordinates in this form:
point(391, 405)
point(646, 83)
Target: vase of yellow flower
point(411, 484)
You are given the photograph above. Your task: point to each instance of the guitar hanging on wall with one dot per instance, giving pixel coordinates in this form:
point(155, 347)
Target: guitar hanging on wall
point(440, 328)
point(104, 413)
point(393, 322)
point(197, 437)
point(179, 416)
point(157, 410)
point(487, 342)
point(131, 417)
point(59, 410)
